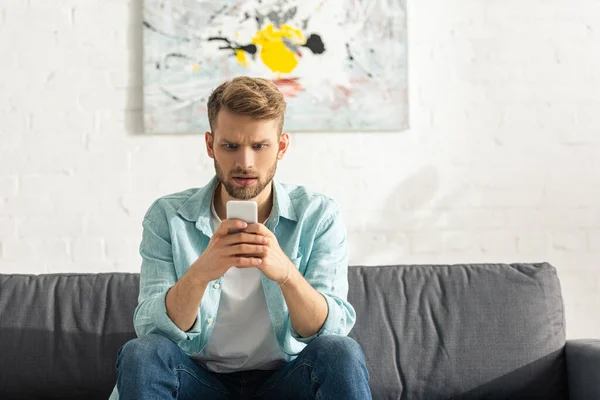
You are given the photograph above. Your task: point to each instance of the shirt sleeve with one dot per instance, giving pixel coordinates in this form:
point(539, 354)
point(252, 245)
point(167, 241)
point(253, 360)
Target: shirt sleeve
point(157, 276)
point(327, 272)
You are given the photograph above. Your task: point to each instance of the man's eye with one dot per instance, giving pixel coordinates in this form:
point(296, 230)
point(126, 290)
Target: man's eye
point(230, 146)
point(259, 146)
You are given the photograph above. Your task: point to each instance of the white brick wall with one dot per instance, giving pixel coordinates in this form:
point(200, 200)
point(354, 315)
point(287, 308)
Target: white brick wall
point(501, 162)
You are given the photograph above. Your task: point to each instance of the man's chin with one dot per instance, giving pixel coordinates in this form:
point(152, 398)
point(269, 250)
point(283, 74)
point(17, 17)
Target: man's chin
point(241, 194)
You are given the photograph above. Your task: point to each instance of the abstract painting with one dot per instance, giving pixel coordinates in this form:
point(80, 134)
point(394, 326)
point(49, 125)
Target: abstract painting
point(341, 64)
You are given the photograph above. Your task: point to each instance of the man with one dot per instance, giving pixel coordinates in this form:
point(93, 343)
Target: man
point(257, 314)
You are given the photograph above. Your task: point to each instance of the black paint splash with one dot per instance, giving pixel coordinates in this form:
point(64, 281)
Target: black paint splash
point(315, 44)
point(248, 48)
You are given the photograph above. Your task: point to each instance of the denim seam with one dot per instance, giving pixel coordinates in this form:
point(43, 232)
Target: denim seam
point(315, 379)
point(283, 378)
point(177, 383)
point(184, 369)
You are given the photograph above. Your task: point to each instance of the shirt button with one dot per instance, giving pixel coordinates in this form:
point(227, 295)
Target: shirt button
point(210, 320)
point(216, 286)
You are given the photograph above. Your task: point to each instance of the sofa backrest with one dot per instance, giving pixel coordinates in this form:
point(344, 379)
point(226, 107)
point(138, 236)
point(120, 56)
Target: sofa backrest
point(60, 333)
point(461, 332)
point(428, 332)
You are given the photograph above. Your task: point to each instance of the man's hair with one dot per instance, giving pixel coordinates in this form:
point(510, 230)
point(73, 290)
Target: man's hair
point(257, 98)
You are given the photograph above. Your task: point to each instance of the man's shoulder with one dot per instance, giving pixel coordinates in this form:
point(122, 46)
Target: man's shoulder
point(309, 201)
point(169, 203)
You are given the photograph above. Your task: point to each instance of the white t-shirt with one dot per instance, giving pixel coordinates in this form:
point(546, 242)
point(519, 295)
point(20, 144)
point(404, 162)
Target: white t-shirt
point(243, 337)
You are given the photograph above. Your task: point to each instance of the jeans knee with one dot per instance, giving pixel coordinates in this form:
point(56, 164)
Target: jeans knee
point(341, 349)
point(145, 349)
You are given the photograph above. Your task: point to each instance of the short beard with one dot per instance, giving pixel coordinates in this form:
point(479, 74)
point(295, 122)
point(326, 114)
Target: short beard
point(244, 193)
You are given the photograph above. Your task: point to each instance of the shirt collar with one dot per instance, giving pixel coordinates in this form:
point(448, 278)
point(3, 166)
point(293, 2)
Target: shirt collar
point(198, 207)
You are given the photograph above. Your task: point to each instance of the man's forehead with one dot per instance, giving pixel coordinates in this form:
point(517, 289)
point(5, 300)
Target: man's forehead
point(236, 128)
point(223, 135)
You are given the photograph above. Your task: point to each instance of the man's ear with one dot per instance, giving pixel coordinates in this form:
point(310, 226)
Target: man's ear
point(209, 139)
point(284, 143)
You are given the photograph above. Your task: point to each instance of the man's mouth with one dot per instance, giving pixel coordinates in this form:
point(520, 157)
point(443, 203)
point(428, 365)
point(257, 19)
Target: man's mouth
point(244, 180)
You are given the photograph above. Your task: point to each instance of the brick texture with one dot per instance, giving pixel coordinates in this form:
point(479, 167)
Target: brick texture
point(501, 162)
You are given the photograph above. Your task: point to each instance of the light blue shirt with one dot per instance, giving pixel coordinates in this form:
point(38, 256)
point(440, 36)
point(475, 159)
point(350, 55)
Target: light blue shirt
point(177, 229)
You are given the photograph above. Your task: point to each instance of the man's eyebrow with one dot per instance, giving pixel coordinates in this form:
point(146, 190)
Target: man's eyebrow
point(225, 141)
point(264, 141)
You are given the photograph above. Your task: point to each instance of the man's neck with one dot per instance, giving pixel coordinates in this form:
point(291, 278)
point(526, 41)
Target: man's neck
point(264, 201)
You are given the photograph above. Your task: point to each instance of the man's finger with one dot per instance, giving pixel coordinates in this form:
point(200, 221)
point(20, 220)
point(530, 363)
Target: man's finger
point(258, 229)
point(244, 237)
point(244, 261)
point(231, 224)
point(246, 249)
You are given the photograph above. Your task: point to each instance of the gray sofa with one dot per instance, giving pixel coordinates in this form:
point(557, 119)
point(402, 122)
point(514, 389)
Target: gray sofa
point(486, 331)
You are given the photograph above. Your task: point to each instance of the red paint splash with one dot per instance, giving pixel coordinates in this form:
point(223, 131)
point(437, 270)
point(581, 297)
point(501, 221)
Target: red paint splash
point(289, 87)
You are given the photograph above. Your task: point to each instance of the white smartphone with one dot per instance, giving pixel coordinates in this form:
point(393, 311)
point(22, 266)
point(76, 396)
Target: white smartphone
point(245, 210)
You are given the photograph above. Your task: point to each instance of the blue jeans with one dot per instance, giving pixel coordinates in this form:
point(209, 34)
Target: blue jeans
point(329, 367)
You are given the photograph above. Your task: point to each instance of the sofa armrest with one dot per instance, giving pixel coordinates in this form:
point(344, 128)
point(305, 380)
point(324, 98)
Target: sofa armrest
point(583, 368)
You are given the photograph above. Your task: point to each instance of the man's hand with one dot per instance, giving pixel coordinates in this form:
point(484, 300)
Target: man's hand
point(275, 263)
point(225, 250)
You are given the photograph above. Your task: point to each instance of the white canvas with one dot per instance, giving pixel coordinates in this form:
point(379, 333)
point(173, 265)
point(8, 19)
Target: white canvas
point(341, 64)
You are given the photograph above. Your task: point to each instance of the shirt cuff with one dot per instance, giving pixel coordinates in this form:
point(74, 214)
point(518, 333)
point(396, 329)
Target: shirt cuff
point(163, 322)
point(329, 326)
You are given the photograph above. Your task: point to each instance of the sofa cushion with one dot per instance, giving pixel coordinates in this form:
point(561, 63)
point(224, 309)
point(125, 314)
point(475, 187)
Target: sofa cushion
point(462, 331)
point(60, 334)
point(428, 332)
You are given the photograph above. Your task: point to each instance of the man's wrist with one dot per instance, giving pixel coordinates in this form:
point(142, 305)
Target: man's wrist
point(195, 276)
point(287, 276)
point(292, 276)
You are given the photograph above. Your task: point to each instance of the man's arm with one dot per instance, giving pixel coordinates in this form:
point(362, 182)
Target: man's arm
point(307, 307)
point(157, 278)
point(317, 301)
point(183, 300)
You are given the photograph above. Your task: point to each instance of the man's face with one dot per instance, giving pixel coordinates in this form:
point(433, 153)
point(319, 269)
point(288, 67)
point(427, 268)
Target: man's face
point(245, 153)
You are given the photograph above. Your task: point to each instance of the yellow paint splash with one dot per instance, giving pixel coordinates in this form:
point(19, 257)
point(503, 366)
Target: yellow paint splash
point(273, 51)
point(240, 56)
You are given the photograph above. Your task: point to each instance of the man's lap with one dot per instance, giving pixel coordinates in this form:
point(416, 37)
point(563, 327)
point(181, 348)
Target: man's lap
point(295, 380)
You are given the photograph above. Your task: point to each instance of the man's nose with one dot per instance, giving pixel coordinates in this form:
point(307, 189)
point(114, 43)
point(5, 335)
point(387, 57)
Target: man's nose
point(245, 158)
